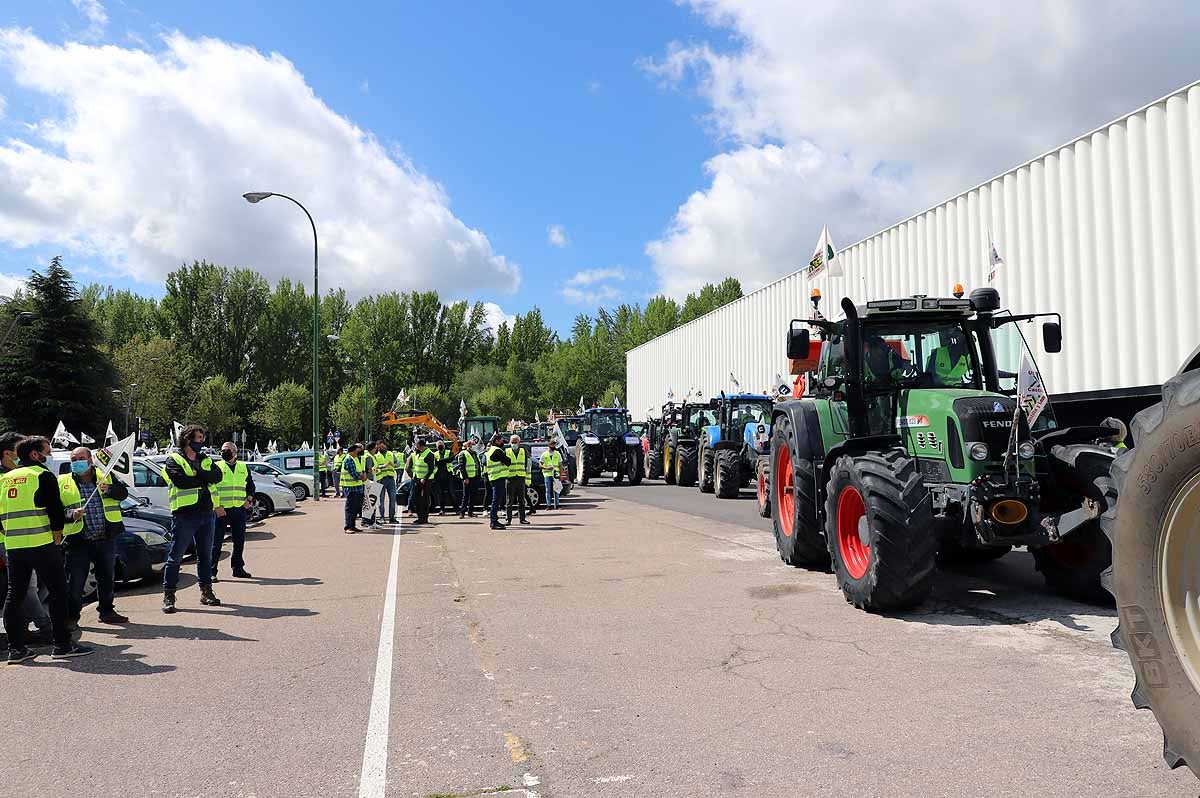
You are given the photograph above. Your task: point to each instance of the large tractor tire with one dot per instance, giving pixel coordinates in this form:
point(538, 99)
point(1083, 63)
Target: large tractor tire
point(582, 463)
point(670, 458)
point(798, 534)
point(1153, 495)
point(654, 464)
point(706, 465)
point(879, 527)
point(727, 481)
point(762, 473)
point(633, 460)
point(685, 466)
point(1073, 566)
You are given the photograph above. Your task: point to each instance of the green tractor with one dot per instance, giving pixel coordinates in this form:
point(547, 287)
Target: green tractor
point(674, 446)
point(908, 453)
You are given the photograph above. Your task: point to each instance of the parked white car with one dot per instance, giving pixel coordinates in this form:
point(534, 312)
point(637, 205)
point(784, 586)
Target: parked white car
point(270, 495)
point(301, 484)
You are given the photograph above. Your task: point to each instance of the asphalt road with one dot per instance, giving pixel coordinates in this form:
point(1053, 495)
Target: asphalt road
point(617, 647)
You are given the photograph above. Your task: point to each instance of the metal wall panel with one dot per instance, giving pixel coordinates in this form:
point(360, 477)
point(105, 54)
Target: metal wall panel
point(1105, 230)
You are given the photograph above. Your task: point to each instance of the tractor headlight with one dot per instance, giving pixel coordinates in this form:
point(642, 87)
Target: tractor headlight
point(978, 451)
point(1026, 450)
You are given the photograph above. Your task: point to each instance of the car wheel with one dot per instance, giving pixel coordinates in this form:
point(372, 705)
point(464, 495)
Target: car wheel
point(261, 508)
point(300, 491)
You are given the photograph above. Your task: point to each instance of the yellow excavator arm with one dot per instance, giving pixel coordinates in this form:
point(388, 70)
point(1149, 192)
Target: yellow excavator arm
point(422, 419)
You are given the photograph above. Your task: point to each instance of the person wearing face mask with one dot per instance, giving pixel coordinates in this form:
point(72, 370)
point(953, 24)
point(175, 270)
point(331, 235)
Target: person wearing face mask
point(233, 495)
point(35, 610)
point(90, 534)
point(32, 514)
point(189, 474)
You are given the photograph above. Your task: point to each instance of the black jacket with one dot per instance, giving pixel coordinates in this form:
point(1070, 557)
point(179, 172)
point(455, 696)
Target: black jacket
point(203, 478)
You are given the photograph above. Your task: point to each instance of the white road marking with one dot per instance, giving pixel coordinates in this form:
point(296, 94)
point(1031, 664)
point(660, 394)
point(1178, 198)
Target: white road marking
point(374, 768)
point(613, 779)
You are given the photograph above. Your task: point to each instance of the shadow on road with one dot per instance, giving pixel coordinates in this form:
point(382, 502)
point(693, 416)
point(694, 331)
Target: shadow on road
point(247, 611)
point(259, 534)
point(114, 660)
point(148, 631)
point(310, 581)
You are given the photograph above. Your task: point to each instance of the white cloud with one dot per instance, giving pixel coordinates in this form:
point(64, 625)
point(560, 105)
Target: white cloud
point(592, 276)
point(603, 293)
point(10, 284)
point(556, 234)
point(93, 11)
point(3, 105)
point(147, 161)
point(496, 316)
point(594, 86)
point(888, 109)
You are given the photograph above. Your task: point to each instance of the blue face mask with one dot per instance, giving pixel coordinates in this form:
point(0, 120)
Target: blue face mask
point(80, 466)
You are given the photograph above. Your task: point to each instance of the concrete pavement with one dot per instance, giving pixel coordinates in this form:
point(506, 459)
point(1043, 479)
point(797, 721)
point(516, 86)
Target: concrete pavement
point(612, 648)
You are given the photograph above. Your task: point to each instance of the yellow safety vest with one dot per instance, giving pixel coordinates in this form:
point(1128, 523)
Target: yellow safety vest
point(421, 468)
point(72, 500)
point(231, 490)
point(360, 463)
point(385, 465)
point(551, 463)
point(516, 459)
point(494, 469)
point(470, 464)
point(337, 462)
point(26, 525)
point(179, 498)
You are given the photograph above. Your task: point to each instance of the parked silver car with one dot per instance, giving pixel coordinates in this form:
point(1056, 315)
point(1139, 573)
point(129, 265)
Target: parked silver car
point(270, 494)
point(301, 484)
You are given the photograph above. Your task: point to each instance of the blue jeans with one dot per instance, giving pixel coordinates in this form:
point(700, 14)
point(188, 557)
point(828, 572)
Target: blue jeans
point(354, 500)
point(412, 494)
point(185, 528)
point(235, 522)
point(80, 554)
point(389, 493)
point(551, 496)
point(499, 488)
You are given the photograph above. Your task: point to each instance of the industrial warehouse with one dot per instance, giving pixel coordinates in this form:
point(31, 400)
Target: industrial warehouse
point(1101, 230)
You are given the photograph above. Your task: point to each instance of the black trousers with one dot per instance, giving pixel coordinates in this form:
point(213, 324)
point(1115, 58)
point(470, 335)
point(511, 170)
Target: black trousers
point(47, 562)
point(441, 484)
point(423, 489)
point(516, 493)
point(468, 490)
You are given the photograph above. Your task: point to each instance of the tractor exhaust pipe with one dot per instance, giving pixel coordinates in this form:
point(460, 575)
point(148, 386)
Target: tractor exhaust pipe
point(1009, 512)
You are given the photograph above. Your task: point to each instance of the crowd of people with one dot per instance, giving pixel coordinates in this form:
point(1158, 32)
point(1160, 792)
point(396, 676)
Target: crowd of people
point(427, 475)
point(55, 529)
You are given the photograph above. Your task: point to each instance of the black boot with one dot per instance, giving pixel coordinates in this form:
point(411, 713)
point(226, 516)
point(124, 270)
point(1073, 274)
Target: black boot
point(207, 598)
point(168, 601)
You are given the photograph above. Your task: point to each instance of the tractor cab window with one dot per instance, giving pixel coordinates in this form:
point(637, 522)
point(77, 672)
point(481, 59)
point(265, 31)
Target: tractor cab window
point(702, 417)
point(744, 413)
point(608, 424)
point(934, 355)
point(481, 428)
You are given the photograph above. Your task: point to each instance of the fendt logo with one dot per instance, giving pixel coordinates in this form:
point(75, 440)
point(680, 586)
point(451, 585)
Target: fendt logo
point(998, 424)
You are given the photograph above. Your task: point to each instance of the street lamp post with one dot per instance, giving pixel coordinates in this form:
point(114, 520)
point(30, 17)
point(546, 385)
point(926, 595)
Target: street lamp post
point(258, 196)
point(129, 404)
point(21, 318)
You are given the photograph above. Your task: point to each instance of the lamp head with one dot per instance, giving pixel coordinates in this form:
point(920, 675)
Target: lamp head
point(256, 196)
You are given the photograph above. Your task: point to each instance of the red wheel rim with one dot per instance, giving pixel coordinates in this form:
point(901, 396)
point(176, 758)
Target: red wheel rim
point(851, 512)
point(762, 490)
point(785, 500)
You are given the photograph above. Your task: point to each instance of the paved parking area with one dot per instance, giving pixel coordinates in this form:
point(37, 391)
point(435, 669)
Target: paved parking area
point(616, 647)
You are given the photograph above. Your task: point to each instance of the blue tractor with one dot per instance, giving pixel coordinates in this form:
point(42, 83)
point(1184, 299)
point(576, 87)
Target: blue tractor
point(730, 449)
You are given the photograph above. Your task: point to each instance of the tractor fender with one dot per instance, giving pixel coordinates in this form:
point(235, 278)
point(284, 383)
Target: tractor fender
point(712, 434)
point(804, 419)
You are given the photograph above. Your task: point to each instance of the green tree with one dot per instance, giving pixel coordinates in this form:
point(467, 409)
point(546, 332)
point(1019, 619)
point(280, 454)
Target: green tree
point(436, 400)
point(286, 412)
point(122, 315)
point(502, 347)
point(494, 401)
point(152, 363)
point(346, 412)
point(53, 367)
point(709, 298)
point(215, 406)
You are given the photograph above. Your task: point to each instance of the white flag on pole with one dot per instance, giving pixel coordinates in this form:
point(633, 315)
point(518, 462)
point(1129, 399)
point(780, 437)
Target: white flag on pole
point(994, 259)
point(86, 439)
point(1031, 391)
point(110, 435)
point(824, 258)
point(61, 436)
point(462, 407)
point(580, 404)
point(177, 431)
point(737, 386)
point(117, 459)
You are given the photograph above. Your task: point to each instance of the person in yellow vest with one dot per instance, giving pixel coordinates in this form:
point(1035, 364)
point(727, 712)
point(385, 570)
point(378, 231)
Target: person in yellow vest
point(337, 472)
point(353, 477)
point(496, 463)
point(33, 517)
point(234, 495)
point(518, 476)
point(35, 611)
point(386, 463)
point(189, 473)
point(441, 478)
point(424, 466)
point(90, 534)
point(322, 471)
point(551, 464)
point(468, 469)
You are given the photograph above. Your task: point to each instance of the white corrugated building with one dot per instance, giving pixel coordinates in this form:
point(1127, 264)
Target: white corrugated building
point(1104, 229)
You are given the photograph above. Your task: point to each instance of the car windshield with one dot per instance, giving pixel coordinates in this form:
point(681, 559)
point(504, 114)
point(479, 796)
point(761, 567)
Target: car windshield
point(755, 412)
point(608, 424)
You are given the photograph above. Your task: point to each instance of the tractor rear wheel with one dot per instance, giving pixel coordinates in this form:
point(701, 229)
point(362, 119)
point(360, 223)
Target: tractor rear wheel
point(685, 466)
point(727, 481)
point(763, 477)
point(654, 464)
point(670, 456)
point(707, 464)
point(1073, 566)
point(1153, 495)
point(794, 498)
point(582, 463)
point(633, 460)
point(879, 527)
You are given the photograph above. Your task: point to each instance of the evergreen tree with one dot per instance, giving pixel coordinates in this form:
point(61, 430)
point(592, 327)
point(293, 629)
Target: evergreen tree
point(53, 367)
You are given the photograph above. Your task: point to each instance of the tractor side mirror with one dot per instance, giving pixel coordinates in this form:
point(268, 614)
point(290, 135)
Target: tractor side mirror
point(1052, 337)
point(797, 344)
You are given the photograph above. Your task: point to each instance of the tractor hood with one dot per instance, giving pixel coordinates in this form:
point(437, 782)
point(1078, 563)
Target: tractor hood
point(952, 415)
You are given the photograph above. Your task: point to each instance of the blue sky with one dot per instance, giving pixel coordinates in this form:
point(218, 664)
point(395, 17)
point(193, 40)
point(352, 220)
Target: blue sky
point(525, 120)
point(675, 143)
